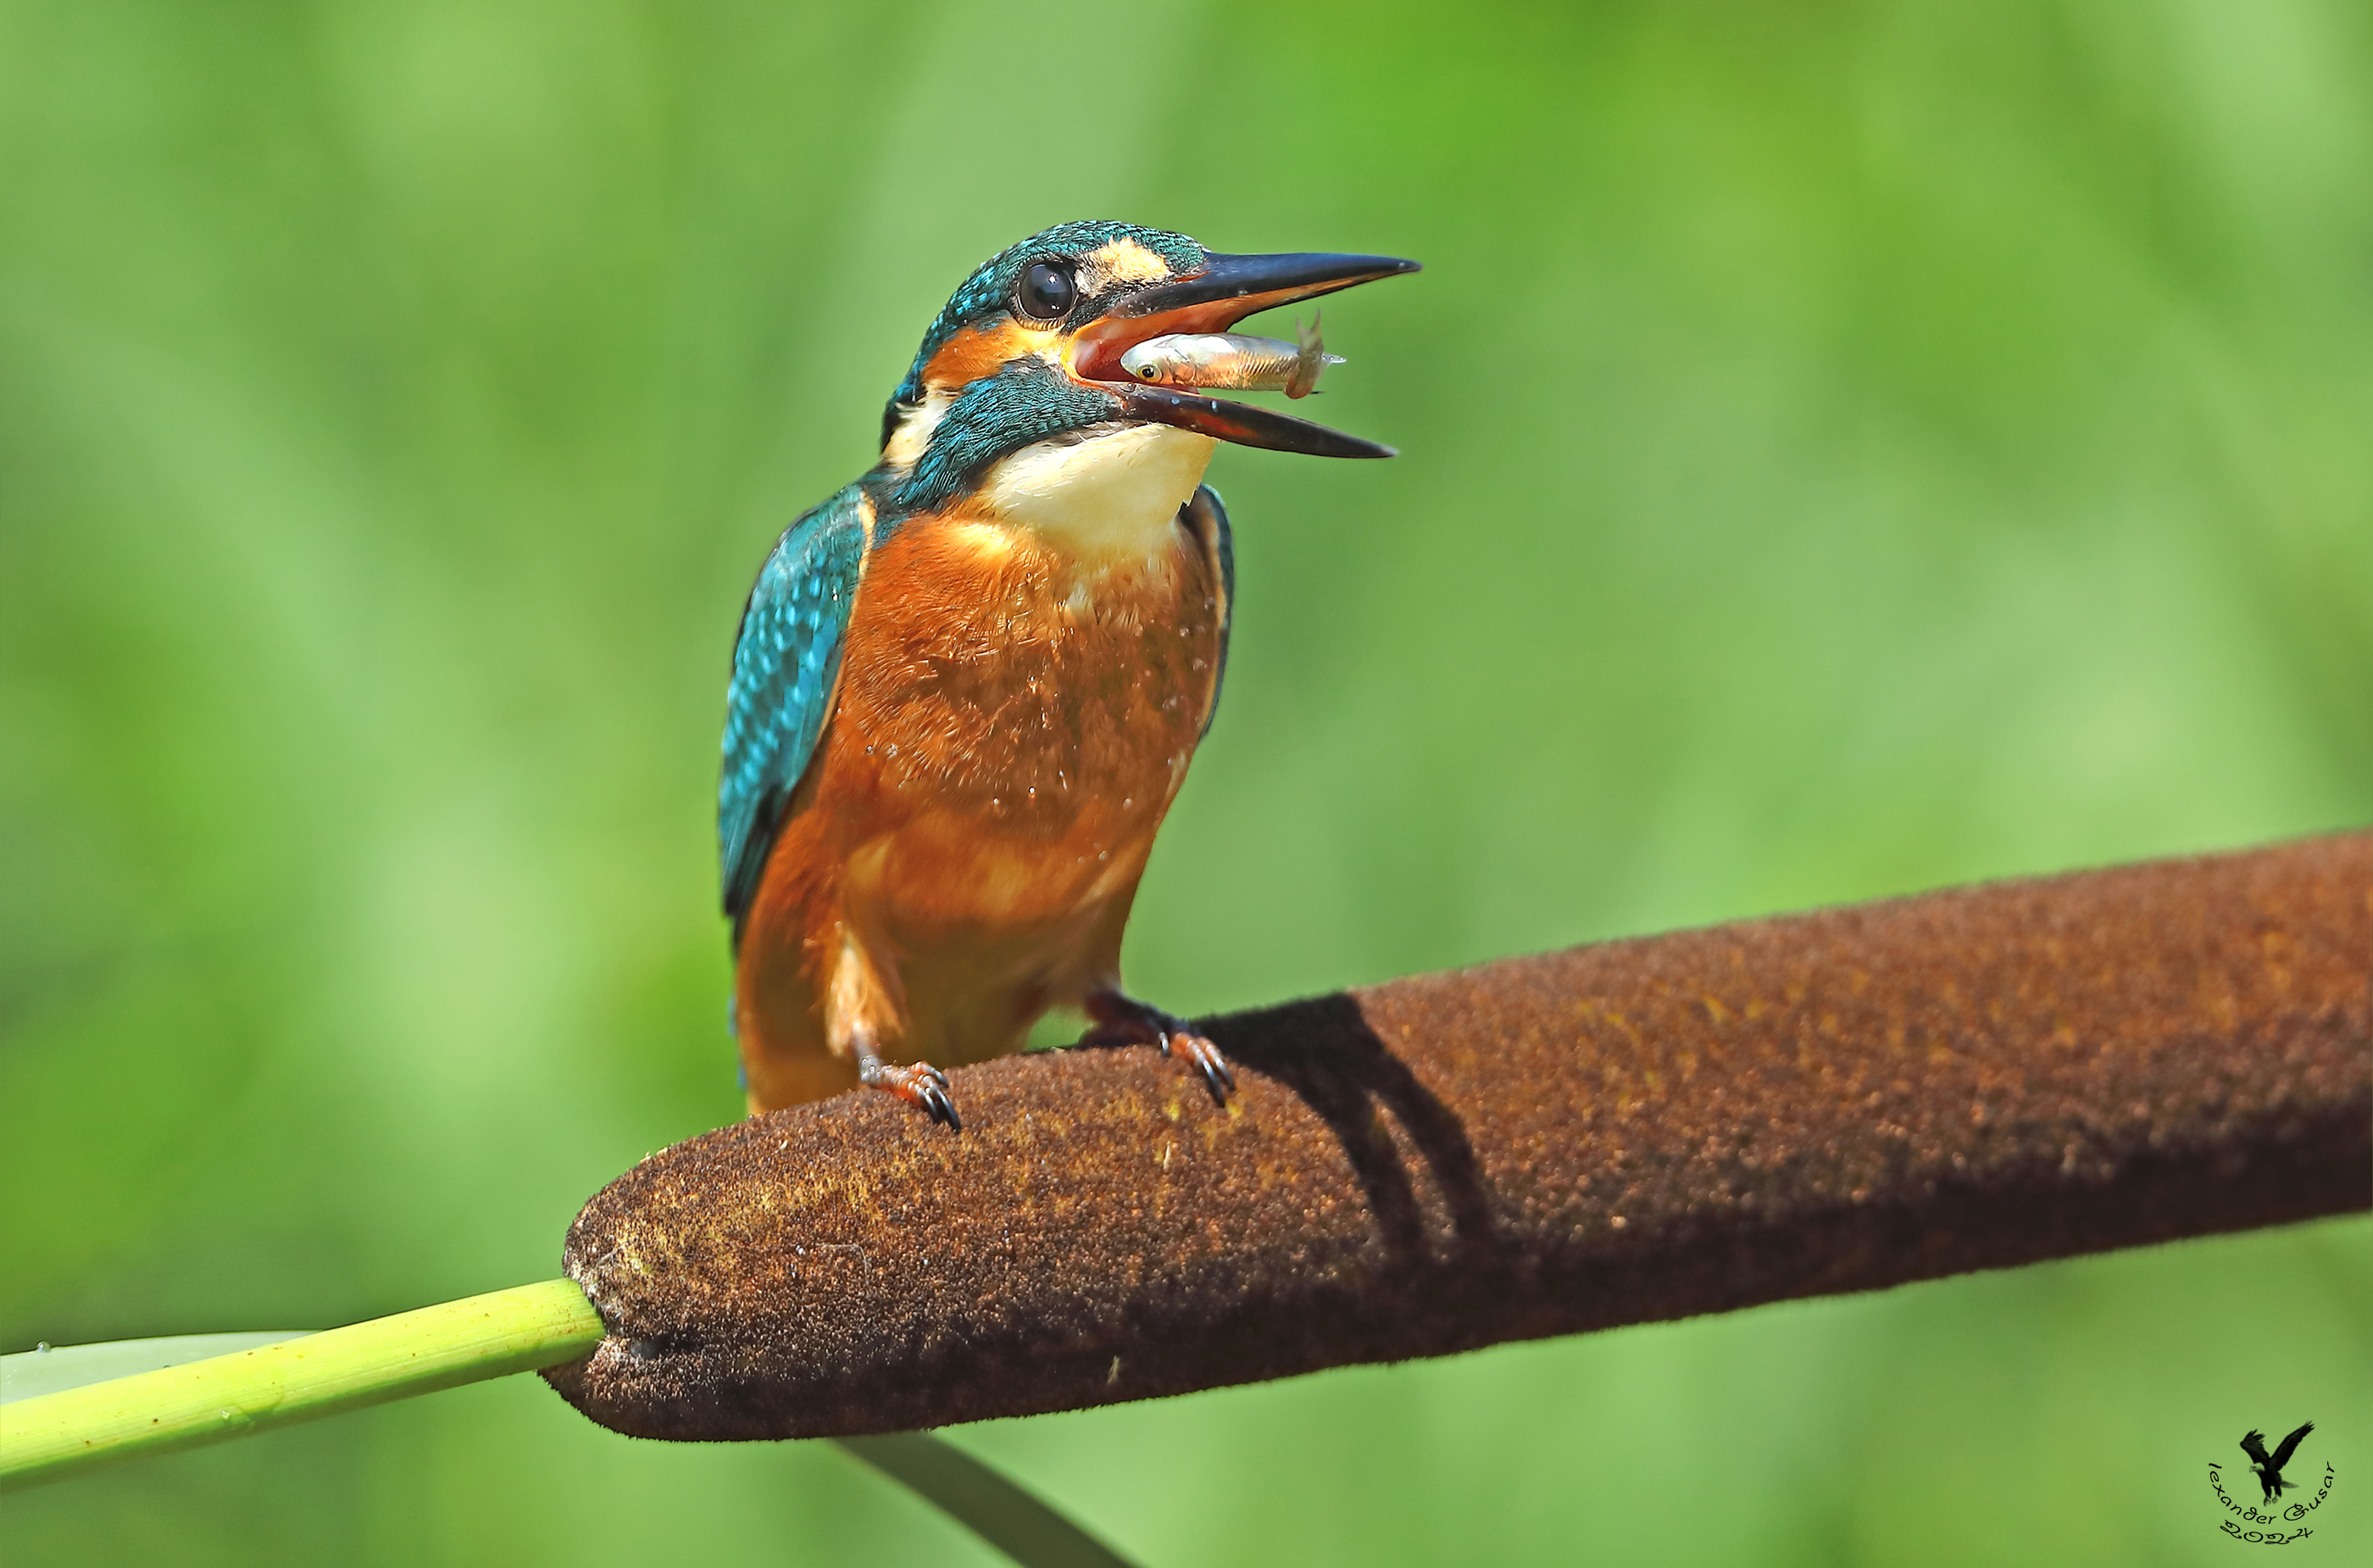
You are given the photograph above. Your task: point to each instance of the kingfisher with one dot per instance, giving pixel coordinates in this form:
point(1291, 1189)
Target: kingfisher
point(965, 689)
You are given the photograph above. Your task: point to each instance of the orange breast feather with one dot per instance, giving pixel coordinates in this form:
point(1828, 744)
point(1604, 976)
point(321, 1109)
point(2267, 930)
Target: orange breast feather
point(1011, 727)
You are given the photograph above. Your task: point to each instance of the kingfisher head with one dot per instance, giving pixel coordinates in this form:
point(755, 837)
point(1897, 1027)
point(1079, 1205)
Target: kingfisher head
point(1018, 393)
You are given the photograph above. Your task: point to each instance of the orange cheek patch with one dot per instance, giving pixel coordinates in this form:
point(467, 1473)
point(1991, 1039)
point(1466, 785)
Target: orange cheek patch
point(982, 351)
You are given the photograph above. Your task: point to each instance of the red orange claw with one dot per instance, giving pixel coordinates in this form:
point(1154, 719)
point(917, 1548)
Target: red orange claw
point(919, 1083)
point(1124, 1021)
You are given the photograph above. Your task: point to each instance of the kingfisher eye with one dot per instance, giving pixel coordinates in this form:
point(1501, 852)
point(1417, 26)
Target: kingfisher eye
point(1047, 291)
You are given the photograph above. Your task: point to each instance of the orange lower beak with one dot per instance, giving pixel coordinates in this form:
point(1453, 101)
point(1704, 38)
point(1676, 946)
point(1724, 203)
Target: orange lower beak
point(1224, 292)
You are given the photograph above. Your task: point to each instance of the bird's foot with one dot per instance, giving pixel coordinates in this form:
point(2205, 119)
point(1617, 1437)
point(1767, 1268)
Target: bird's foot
point(919, 1083)
point(1124, 1021)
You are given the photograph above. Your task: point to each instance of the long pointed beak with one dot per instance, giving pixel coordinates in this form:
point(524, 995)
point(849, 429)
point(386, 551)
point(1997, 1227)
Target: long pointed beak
point(1241, 423)
point(1232, 287)
point(1224, 292)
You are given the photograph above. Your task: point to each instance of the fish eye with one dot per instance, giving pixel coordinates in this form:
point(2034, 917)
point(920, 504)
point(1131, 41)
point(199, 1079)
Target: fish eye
point(1047, 291)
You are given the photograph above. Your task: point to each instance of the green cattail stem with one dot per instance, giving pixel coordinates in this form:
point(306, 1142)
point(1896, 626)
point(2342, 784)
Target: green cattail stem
point(520, 1330)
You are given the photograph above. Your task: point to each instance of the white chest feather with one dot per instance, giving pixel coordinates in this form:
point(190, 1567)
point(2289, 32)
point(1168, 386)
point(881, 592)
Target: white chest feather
point(1106, 498)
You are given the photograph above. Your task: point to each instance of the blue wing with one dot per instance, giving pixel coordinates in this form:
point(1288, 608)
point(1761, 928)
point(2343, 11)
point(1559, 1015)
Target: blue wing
point(786, 661)
point(1207, 519)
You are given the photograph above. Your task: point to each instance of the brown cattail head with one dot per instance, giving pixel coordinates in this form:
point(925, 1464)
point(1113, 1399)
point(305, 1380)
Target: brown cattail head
point(1618, 1133)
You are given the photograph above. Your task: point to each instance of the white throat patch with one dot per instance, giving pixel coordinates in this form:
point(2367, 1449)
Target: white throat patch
point(914, 432)
point(1108, 496)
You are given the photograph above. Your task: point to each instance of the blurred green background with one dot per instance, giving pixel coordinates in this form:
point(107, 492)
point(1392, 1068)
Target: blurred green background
point(1849, 448)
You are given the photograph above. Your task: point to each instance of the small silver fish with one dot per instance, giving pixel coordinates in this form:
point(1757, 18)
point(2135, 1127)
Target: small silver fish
point(1233, 361)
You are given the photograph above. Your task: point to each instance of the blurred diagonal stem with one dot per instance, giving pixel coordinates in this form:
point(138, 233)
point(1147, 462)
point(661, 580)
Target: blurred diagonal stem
point(986, 1503)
